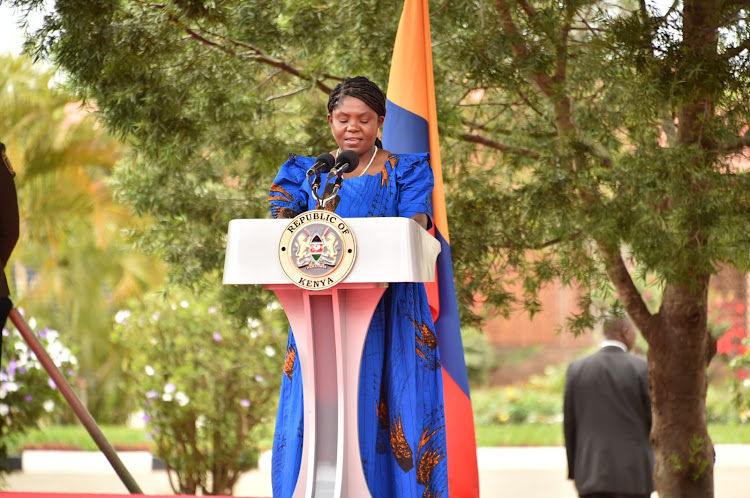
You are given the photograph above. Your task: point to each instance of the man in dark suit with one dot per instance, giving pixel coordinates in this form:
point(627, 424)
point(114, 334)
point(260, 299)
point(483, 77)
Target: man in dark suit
point(8, 230)
point(607, 419)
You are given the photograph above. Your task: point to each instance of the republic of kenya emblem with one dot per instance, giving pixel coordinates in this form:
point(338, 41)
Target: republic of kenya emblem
point(317, 250)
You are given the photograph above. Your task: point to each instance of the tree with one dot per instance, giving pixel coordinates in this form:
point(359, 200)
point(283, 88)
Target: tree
point(618, 128)
point(597, 138)
point(72, 265)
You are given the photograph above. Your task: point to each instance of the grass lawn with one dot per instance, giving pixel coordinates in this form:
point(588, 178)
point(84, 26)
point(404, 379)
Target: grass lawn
point(76, 437)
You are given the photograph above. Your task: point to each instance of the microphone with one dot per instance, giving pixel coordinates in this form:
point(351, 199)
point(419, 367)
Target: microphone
point(347, 161)
point(323, 164)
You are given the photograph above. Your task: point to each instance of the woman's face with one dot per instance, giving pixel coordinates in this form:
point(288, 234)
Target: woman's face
point(354, 125)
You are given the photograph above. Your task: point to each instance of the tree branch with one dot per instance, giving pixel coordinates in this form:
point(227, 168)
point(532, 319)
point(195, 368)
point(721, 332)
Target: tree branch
point(631, 298)
point(478, 139)
point(562, 53)
point(736, 146)
point(257, 54)
point(528, 102)
point(530, 11)
point(542, 245)
point(287, 94)
point(597, 150)
point(666, 15)
point(521, 49)
point(735, 51)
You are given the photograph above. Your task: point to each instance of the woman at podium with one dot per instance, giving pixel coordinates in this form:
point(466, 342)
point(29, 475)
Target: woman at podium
point(401, 415)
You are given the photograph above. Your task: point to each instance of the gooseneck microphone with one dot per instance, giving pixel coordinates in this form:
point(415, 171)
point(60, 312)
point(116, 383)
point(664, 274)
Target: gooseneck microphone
point(346, 162)
point(323, 164)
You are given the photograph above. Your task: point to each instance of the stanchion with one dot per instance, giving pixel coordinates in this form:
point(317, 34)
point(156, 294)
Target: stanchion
point(83, 415)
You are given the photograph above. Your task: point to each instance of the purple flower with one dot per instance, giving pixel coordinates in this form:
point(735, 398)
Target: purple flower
point(51, 383)
point(43, 333)
point(146, 417)
point(217, 337)
point(28, 398)
point(152, 394)
point(22, 370)
point(12, 365)
point(245, 402)
point(169, 388)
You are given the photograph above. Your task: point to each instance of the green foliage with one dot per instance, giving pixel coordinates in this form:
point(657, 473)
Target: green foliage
point(539, 400)
point(479, 355)
point(574, 106)
point(697, 462)
point(28, 397)
point(721, 407)
point(72, 267)
point(740, 386)
point(206, 383)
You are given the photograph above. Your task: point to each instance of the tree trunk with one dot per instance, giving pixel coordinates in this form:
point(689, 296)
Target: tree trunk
point(680, 349)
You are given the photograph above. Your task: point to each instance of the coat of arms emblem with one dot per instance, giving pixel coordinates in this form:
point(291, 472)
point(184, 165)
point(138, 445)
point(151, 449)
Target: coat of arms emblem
point(317, 249)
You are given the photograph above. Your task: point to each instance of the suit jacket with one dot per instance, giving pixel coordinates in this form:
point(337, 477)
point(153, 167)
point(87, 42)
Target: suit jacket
point(8, 217)
point(607, 421)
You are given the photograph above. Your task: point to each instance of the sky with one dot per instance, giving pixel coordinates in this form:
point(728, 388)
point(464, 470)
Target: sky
point(11, 35)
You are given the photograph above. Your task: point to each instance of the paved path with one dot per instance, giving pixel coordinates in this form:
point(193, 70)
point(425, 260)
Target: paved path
point(503, 472)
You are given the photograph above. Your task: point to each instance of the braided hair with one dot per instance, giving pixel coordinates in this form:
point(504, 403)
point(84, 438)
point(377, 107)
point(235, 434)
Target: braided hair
point(361, 88)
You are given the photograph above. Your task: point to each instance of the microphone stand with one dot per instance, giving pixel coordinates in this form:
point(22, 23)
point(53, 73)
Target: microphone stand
point(314, 186)
point(347, 161)
point(83, 415)
point(322, 202)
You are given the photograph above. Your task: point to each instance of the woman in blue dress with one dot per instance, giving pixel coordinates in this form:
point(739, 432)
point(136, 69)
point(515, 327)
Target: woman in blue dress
point(401, 413)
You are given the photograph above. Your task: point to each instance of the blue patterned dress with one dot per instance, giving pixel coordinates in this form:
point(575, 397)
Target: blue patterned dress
point(401, 415)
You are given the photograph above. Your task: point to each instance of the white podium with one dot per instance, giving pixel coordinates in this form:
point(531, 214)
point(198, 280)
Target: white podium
point(330, 326)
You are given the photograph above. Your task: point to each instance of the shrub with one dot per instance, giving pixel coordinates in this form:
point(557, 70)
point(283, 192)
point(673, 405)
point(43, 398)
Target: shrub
point(479, 356)
point(207, 386)
point(28, 397)
point(539, 400)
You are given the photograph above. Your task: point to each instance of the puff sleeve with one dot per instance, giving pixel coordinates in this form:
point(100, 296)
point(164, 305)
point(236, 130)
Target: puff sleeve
point(287, 198)
point(415, 181)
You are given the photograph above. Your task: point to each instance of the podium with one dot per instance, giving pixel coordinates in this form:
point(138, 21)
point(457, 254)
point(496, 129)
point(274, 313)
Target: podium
point(330, 326)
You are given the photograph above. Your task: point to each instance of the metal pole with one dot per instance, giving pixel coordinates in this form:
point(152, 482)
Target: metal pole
point(83, 415)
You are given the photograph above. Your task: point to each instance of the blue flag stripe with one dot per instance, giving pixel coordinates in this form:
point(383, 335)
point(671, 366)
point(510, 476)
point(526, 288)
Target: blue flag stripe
point(447, 324)
point(406, 132)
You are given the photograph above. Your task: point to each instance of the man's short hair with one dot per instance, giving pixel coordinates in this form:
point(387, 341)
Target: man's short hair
point(615, 327)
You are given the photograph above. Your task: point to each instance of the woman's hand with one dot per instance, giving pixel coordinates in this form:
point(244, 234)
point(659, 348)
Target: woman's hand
point(422, 219)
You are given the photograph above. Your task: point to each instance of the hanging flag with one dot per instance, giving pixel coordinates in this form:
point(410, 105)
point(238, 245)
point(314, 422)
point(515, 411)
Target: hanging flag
point(410, 127)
